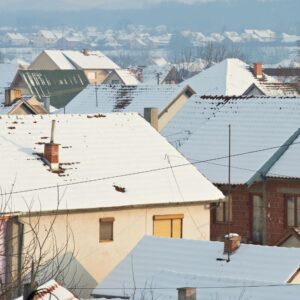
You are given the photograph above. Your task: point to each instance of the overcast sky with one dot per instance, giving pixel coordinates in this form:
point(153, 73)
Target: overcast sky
point(87, 4)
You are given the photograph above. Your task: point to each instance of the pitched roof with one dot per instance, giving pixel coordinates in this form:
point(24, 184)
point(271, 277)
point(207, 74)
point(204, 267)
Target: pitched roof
point(110, 98)
point(200, 131)
point(60, 85)
point(156, 270)
point(59, 59)
point(94, 60)
point(234, 77)
point(125, 76)
point(92, 147)
point(7, 73)
point(70, 60)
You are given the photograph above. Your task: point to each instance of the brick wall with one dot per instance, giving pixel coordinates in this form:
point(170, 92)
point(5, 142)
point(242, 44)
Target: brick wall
point(276, 191)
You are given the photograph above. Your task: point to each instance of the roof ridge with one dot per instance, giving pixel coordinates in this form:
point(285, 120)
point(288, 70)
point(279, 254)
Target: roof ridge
point(265, 168)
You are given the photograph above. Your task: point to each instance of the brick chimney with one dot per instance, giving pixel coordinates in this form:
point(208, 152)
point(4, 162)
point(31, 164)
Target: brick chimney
point(51, 151)
point(11, 95)
point(257, 70)
point(151, 115)
point(186, 293)
point(85, 51)
point(232, 242)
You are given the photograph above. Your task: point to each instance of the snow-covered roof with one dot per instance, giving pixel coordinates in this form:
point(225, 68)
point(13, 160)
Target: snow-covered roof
point(150, 73)
point(94, 60)
point(47, 34)
point(50, 290)
point(70, 60)
point(154, 268)
point(234, 77)
point(110, 98)
point(16, 36)
point(60, 60)
point(127, 77)
point(200, 131)
point(94, 147)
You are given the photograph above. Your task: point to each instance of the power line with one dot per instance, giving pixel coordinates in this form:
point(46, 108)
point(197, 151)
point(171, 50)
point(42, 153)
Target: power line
point(149, 171)
point(197, 287)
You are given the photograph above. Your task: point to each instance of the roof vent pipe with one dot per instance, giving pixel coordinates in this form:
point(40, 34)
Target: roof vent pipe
point(51, 151)
point(186, 293)
point(46, 101)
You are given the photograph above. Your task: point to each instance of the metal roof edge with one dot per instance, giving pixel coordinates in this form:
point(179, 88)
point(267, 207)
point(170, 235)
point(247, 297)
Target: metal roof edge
point(265, 168)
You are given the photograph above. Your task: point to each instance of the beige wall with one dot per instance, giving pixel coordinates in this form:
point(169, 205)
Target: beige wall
point(292, 241)
point(43, 62)
point(96, 76)
point(167, 114)
point(95, 259)
point(296, 279)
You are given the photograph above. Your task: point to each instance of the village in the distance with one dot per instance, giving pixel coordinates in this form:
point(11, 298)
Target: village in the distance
point(149, 163)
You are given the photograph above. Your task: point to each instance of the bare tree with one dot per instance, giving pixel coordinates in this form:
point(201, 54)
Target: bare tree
point(29, 250)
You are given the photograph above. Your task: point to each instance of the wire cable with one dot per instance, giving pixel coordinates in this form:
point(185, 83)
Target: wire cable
point(149, 170)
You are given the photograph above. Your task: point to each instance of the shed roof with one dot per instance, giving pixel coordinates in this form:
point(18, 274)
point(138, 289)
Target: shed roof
point(161, 265)
point(108, 147)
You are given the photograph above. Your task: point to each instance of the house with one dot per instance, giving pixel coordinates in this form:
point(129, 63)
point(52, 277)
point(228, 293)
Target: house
point(15, 39)
point(264, 177)
point(161, 74)
point(46, 37)
point(15, 104)
point(168, 99)
point(94, 63)
point(51, 289)
point(158, 267)
point(61, 86)
point(12, 101)
point(121, 77)
point(233, 77)
point(105, 179)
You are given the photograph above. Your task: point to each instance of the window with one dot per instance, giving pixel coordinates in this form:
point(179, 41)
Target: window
point(224, 211)
point(293, 211)
point(106, 229)
point(115, 82)
point(168, 226)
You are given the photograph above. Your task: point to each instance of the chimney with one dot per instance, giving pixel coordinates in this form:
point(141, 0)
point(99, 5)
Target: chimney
point(46, 101)
point(85, 51)
point(151, 115)
point(186, 293)
point(257, 70)
point(11, 95)
point(232, 242)
point(51, 151)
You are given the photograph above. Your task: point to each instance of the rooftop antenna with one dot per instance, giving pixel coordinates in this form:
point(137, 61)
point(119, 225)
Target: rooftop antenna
point(229, 194)
point(229, 186)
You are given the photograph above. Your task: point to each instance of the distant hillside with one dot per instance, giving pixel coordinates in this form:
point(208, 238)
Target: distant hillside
point(280, 16)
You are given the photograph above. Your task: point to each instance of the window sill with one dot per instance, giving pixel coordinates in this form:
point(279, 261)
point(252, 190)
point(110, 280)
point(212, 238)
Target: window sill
point(106, 241)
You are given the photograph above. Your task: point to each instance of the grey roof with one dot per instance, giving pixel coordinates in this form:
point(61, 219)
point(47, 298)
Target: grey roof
point(118, 98)
point(161, 265)
point(61, 85)
point(200, 132)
